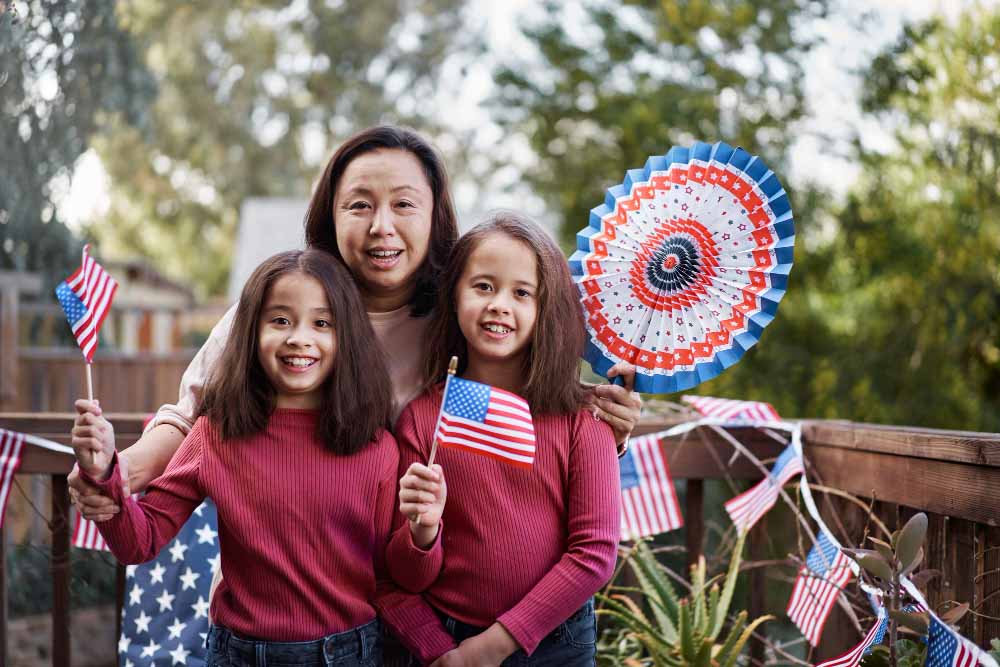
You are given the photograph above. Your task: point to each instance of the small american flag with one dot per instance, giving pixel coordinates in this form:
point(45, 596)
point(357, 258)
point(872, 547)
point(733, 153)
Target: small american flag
point(10, 458)
point(649, 501)
point(826, 572)
point(86, 298)
point(947, 649)
point(728, 408)
point(489, 421)
point(747, 508)
point(853, 657)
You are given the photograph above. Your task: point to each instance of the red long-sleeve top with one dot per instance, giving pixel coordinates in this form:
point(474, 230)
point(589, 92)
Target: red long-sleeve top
point(525, 547)
point(302, 532)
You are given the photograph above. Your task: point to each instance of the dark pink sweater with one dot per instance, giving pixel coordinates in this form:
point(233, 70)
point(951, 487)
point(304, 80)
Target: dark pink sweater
point(302, 532)
point(525, 547)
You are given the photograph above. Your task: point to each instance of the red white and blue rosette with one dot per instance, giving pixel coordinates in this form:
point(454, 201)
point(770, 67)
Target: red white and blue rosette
point(684, 265)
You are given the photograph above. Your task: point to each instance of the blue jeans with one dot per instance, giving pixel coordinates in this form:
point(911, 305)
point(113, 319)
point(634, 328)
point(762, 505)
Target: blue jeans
point(360, 647)
point(572, 644)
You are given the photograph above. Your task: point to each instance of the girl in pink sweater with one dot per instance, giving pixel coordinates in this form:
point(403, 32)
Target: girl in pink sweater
point(292, 448)
point(509, 562)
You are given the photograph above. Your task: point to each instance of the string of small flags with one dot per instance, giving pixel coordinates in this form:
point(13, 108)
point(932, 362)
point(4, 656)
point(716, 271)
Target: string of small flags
point(827, 569)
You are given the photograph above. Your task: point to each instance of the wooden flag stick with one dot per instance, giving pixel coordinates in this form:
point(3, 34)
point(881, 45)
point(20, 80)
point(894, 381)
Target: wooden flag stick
point(452, 368)
point(90, 397)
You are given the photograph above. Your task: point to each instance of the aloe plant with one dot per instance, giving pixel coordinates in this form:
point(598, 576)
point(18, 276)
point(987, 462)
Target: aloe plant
point(674, 631)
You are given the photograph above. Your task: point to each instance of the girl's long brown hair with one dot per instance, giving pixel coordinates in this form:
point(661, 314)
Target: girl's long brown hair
point(552, 365)
point(320, 232)
point(357, 397)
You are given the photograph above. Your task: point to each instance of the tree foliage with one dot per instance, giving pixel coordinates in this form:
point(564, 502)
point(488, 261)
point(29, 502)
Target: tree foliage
point(613, 83)
point(63, 67)
point(253, 96)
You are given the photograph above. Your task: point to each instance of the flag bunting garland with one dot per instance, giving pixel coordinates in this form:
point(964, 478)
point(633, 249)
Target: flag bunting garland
point(11, 444)
point(946, 648)
point(649, 500)
point(86, 299)
point(484, 420)
point(728, 408)
point(86, 535)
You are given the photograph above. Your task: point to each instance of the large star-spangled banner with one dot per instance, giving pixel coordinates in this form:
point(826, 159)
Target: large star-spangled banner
point(165, 617)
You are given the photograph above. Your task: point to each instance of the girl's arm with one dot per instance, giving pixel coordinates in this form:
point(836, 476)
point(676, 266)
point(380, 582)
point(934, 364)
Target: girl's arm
point(138, 532)
point(146, 460)
point(411, 566)
point(594, 524)
point(410, 618)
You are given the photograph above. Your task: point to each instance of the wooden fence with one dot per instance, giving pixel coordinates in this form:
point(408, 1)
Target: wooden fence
point(951, 475)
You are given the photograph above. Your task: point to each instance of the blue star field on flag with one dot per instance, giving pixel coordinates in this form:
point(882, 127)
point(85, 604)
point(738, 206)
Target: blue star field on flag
point(165, 617)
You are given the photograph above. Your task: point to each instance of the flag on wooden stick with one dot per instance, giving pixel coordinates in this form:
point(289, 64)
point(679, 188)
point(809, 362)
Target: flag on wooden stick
point(826, 572)
point(485, 420)
point(86, 299)
point(747, 508)
point(11, 444)
point(649, 500)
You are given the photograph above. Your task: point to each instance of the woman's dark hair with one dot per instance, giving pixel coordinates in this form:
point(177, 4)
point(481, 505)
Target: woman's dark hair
point(357, 398)
point(552, 365)
point(320, 232)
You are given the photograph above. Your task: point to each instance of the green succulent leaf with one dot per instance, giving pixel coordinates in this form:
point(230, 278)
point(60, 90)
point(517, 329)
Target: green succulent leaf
point(722, 609)
point(883, 548)
point(878, 657)
point(875, 565)
point(913, 564)
point(911, 537)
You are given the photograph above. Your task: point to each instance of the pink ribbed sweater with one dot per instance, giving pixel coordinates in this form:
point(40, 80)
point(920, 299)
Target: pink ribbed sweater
point(526, 547)
point(302, 532)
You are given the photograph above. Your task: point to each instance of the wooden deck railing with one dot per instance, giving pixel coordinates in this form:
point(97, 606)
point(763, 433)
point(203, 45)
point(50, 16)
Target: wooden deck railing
point(953, 476)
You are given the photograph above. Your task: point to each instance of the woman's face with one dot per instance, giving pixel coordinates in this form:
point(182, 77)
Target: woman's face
point(382, 213)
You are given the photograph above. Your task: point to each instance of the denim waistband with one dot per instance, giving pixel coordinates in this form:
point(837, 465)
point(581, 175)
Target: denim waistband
point(360, 642)
point(586, 610)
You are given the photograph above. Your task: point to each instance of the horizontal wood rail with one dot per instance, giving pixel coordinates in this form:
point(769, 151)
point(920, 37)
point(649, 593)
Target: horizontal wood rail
point(952, 475)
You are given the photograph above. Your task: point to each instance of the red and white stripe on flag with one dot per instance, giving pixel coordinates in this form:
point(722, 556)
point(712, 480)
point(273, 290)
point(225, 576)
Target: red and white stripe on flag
point(814, 594)
point(649, 500)
point(747, 508)
point(727, 408)
point(95, 288)
point(11, 444)
point(484, 420)
point(853, 657)
point(86, 535)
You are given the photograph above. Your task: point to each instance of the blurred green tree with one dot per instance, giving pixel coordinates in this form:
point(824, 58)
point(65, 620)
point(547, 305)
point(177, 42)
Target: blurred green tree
point(913, 270)
point(893, 314)
point(253, 96)
point(611, 84)
point(63, 67)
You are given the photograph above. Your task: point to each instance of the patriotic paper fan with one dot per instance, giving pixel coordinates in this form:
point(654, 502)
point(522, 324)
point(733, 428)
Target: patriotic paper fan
point(684, 265)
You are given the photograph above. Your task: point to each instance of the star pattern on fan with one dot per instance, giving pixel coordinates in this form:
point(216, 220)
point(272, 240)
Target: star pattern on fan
point(700, 242)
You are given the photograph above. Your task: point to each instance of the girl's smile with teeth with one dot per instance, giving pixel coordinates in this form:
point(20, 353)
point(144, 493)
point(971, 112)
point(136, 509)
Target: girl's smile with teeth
point(299, 362)
point(497, 328)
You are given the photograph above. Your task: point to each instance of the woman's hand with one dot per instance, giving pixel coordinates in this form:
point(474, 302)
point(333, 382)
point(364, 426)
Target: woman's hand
point(487, 649)
point(93, 439)
point(422, 495)
point(618, 406)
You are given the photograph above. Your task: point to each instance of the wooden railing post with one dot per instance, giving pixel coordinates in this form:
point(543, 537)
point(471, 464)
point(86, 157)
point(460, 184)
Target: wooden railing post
point(3, 595)
point(60, 571)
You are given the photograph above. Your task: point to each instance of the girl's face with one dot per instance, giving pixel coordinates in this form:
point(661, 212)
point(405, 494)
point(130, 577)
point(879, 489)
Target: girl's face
point(497, 300)
point(296, 344)
point(382, 216)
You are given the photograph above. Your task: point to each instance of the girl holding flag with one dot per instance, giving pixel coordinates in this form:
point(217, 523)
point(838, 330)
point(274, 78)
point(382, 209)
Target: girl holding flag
point(300, 397)
point(530, 527)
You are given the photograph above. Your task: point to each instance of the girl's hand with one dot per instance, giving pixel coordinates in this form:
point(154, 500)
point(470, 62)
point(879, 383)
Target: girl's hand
point(93, 439)
point(487, 649)
point(89, 500)
point(422, 495)
point(453, 658)
point(618, 406)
